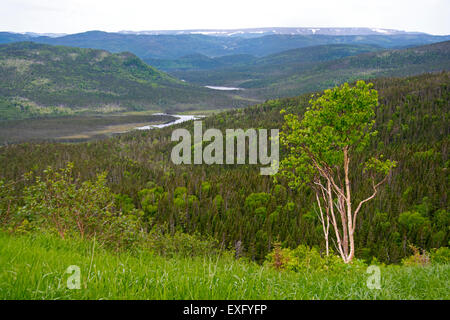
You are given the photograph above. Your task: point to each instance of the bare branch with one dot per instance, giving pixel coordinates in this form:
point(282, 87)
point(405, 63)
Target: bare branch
point(375, 191)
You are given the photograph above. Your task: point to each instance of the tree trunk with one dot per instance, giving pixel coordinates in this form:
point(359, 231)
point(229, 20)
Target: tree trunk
point(349, 205)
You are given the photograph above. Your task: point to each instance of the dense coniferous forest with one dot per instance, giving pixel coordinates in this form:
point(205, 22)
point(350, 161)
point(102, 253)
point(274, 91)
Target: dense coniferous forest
point(249, 213)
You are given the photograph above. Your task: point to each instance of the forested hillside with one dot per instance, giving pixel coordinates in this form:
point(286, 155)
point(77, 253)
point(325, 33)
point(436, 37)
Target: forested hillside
point(248, 212)
point(316, 68)
point(243, 64)
point(40, 80)
point(400, 63)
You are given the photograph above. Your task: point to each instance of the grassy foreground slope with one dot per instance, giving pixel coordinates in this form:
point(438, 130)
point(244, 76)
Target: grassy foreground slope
point(40, 80)
point(34, 267)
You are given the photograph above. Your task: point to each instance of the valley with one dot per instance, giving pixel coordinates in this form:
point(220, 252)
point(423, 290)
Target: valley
point(76, 128)
point(43, 81)
point(310, 69)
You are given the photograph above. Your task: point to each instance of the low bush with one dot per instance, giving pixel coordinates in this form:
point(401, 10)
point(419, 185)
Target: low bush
point(419, 257)
point(306, 259)
point(181, 244)
point(61, 204)
point(440, 256)
point(425, 258)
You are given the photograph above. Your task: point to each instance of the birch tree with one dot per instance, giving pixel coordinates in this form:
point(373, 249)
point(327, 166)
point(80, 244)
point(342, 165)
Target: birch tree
point(321, 145)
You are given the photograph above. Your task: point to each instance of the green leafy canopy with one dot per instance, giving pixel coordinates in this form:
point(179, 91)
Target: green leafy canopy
point(341, 118)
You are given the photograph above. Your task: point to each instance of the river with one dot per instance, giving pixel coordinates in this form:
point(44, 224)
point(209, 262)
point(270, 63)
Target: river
point(181, 118)
point(222, 88)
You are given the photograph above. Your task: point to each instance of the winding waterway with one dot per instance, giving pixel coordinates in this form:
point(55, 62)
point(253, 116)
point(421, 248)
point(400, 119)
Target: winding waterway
point(181, 118)
point(222, 88)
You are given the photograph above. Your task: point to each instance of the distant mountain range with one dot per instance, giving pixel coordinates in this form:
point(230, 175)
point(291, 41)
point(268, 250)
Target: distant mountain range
point(253, 32)
point(257, 32)
point(50, 35)
point(173, 46)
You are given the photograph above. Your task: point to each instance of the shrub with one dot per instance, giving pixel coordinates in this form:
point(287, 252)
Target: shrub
point(440, 256)
point(181, 244)
point(281, 258)
point(418, 258)
point(305, 259)
point(124, 203)
point(7, 203)
point(59, 203)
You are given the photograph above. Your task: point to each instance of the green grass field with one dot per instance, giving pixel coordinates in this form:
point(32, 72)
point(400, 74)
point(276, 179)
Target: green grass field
point(33, 267)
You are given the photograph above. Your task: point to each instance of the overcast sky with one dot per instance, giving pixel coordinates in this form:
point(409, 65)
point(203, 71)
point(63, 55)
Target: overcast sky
point(72, 16)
